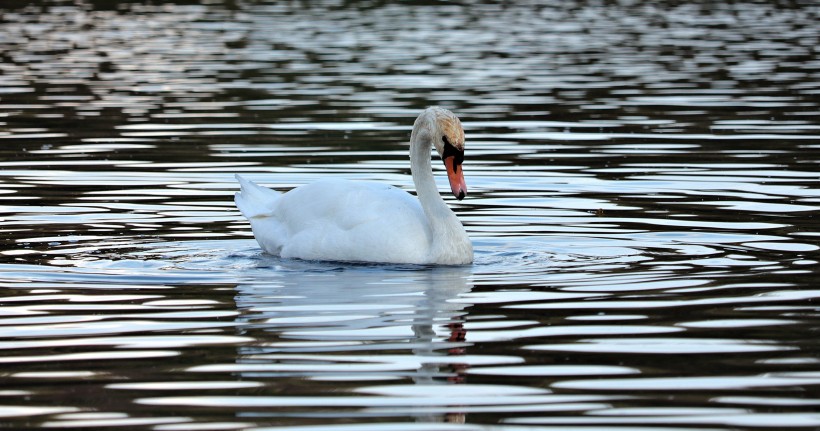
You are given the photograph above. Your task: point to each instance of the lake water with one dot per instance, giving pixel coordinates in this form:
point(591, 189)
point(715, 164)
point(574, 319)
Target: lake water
point(644, 193)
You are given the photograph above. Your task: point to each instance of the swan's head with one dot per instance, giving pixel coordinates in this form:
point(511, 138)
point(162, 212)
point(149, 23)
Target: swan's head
point(448, 138)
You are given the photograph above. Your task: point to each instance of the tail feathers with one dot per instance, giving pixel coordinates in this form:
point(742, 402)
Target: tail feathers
point(255, 201)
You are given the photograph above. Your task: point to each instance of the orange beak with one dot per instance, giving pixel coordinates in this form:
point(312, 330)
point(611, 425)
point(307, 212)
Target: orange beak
point(456, 176)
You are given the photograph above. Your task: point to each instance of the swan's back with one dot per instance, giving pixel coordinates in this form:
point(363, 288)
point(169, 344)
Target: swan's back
point(338, 220)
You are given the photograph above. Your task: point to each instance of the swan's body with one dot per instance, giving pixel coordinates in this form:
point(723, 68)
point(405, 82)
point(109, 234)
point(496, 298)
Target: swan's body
point(369, 222)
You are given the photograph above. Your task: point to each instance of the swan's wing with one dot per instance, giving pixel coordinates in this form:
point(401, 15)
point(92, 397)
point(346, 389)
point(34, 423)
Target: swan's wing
point(357, 221)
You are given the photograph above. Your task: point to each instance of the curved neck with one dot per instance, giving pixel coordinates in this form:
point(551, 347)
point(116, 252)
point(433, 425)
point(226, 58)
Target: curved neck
point(449, 241)
point(421, 142)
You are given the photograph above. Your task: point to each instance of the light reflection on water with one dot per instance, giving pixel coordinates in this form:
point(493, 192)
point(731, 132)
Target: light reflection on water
point(643, 187)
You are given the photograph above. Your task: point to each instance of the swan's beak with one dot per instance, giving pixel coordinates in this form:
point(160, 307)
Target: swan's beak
point(456, 176)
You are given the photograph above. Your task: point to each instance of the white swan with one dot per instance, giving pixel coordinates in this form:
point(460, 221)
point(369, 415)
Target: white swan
point(369, 222)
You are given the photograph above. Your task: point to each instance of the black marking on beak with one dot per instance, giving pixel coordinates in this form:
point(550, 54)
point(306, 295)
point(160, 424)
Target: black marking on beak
point(451, 151)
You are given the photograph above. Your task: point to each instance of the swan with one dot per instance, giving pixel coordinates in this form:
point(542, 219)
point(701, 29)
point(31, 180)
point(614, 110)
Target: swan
point(341, 220)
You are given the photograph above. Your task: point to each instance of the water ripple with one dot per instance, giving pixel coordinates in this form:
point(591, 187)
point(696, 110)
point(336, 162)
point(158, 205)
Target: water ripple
point(643, 192)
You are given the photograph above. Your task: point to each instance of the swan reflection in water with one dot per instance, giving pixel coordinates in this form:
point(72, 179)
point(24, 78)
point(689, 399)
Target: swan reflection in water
point(307, 318)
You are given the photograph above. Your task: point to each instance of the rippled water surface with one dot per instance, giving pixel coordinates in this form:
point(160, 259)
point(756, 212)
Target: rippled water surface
point(643, 203)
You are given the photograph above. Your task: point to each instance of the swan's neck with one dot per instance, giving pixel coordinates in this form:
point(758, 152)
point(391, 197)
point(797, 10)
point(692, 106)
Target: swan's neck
point(426, 189)
point(448, 235)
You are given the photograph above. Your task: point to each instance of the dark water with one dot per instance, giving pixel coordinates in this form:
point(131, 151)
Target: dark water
point(644, 192)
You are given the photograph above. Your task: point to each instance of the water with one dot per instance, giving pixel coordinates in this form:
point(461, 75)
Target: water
point(643, 196)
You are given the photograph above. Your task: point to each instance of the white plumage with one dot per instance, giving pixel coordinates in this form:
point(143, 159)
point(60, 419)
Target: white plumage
point(345, 220)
